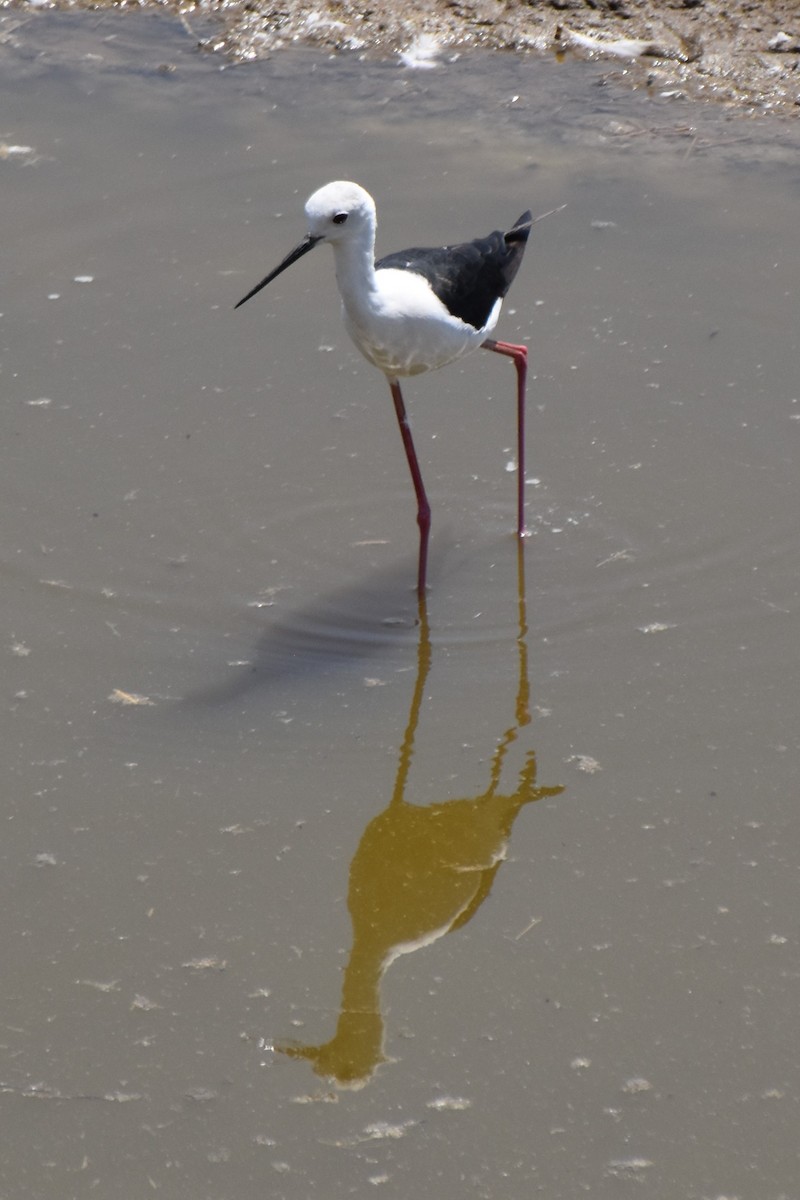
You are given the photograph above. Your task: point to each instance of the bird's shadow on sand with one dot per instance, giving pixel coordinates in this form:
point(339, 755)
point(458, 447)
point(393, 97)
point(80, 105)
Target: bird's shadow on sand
point(378, 615)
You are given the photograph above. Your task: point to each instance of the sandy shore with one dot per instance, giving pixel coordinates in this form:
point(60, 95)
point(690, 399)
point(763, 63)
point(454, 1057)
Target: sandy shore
point(741, 53)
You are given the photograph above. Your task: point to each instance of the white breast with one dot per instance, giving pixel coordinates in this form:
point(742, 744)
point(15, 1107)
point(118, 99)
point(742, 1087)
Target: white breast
point(402, 327)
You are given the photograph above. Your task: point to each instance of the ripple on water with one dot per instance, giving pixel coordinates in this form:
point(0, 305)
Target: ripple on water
point(345, 572)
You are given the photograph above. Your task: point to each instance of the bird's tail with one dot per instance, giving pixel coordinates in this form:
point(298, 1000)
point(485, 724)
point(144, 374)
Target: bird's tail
point(520, 230)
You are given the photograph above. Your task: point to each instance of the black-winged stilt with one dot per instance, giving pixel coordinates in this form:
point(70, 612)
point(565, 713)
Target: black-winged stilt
point(416, 310)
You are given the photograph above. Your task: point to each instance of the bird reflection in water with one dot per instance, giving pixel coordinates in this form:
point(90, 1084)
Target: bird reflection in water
point(419, 873)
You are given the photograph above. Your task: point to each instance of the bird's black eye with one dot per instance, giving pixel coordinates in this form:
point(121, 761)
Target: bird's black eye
point(340, 218)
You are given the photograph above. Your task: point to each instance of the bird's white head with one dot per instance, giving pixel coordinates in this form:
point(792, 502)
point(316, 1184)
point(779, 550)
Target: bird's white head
point(340, 211)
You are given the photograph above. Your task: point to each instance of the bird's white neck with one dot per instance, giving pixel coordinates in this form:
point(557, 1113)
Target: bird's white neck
point(355, 271)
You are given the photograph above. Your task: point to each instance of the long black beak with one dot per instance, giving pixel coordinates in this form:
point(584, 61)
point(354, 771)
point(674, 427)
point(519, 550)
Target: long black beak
point(308, 243)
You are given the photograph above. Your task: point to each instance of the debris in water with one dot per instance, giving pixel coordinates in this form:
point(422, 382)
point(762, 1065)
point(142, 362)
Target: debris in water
point(7, 151)
point(629, 1168)
point(449, 1103)
point(531, 924)
point(383, 1129)
point(585, 763)
point(117, 696)
point(637, 1084)
point(143, 1003)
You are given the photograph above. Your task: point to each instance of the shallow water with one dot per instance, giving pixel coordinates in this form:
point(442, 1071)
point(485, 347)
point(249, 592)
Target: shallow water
point(219, 706)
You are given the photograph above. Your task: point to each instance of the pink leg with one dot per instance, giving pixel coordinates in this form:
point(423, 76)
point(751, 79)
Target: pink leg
point(520, 357)
point(423, 507)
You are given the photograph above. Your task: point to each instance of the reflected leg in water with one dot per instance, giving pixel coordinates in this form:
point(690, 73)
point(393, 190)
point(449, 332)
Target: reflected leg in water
point(419, 873)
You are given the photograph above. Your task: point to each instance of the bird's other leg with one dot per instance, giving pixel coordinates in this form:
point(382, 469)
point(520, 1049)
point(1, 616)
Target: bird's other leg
point(520, 357)
point(423, 507)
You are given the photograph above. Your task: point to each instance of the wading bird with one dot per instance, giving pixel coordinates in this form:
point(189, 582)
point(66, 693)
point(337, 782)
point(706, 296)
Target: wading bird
point(417, 309)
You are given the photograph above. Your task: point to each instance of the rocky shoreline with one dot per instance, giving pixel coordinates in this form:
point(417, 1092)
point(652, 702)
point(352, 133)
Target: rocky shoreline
point(743, 53)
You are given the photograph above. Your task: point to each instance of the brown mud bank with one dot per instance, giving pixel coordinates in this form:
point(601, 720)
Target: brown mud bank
point(742, 53)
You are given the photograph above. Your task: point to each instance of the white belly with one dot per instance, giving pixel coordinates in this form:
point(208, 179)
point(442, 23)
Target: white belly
point(404, 329)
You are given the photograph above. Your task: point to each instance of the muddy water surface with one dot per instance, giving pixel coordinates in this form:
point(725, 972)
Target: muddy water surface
point(302, 895)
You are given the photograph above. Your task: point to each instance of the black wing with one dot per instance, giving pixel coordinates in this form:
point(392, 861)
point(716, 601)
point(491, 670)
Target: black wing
point(470, 278)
